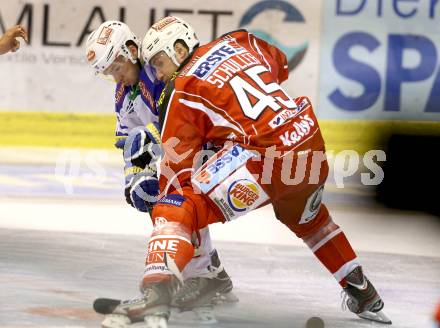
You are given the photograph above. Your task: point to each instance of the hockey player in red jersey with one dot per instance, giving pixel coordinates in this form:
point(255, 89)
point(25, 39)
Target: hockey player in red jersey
point(113, 50)
point(271, 151)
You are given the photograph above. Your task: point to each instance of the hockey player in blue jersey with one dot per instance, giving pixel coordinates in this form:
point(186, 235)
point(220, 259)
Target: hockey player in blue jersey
point(113, 50)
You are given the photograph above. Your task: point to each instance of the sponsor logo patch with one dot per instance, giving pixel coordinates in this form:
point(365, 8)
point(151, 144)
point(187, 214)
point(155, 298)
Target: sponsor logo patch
point(119, 93)
point(160, 25)
point(301, 129)
point(173, 199)
point(104, 36)
point(282, 118)
point(218, 167)
point(312, 206)
point(159, 222)
point(214, 57)
point(147, 95)
point(91, 55)
point(242, 194)
point(158, 247)
point(224, 207)
point(238, 194)
point(303, 104)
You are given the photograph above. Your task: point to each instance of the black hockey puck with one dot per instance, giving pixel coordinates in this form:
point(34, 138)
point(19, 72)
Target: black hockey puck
point(315, 322)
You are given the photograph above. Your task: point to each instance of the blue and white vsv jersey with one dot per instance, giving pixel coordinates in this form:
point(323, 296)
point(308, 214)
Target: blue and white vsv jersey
point(137, 106)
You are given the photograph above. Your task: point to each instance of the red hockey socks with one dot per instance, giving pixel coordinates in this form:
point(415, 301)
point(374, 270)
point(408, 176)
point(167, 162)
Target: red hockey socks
point(169, 251)
point(332, 249)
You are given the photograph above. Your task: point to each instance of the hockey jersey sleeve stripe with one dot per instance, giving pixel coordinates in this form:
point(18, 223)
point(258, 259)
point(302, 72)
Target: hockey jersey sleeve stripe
point(262, 55)
point(216, 119)
point(225, 115)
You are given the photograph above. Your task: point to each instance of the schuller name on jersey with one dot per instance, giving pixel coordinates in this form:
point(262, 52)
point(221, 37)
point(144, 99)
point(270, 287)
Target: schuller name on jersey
point(220, 63)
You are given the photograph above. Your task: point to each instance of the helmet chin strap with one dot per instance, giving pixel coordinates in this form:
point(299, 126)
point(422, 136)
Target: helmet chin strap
point(131, 57)
point(127, 54)
point(174, 59)
point(133, 60)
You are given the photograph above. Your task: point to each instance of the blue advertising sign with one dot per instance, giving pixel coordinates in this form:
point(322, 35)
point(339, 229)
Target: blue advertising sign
point(380, 60)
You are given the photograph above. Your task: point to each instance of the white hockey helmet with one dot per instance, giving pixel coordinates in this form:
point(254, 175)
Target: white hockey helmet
point(107, 42)
point(163, 35)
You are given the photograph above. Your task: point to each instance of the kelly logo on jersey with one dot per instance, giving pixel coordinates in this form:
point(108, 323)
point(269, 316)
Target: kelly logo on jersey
point(242, 194)
point(301, 129)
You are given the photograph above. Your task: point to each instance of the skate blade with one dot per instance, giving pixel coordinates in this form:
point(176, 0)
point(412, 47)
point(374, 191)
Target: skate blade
point(223, 299)
point(155, 321)
point(122, 321)
point(376, 317)
point(116, 321)
point(205, 315)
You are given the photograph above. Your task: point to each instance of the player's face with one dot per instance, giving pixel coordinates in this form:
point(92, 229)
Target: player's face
point(123, 70)
point(164, 66)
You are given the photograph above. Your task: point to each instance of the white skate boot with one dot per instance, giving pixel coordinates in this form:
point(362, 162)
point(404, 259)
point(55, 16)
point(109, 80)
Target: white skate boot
point(362, 298)
point(149, 310)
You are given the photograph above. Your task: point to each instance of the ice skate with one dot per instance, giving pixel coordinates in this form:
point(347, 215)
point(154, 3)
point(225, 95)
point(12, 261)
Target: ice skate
point(211, 289)
point(151, 309)
point(361, 298)
point(201, 294)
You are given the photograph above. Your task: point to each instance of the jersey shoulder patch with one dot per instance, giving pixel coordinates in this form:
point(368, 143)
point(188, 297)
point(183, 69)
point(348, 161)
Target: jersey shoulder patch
point(172, 199)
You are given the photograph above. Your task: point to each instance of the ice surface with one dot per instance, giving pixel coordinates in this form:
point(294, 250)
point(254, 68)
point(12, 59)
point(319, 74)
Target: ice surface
point(59, 251)
point(50, 279)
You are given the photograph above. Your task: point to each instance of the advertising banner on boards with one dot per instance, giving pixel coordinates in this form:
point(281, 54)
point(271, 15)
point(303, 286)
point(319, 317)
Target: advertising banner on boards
point(380, 60)
point(51, 73)
point(356, 59)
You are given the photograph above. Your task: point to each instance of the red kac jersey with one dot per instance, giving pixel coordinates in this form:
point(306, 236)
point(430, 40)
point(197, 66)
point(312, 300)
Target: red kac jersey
point(230, 90)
